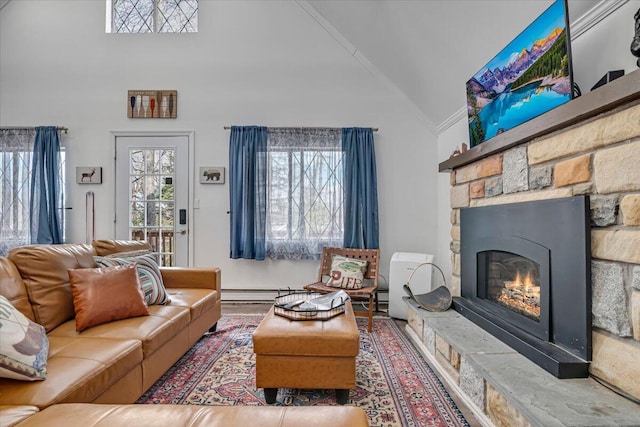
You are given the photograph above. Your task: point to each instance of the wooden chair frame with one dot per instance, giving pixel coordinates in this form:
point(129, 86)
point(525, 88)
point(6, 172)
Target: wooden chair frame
point(367, 293)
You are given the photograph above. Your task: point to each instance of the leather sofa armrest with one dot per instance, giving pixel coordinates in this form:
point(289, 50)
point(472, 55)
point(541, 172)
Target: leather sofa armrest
point(191, 277)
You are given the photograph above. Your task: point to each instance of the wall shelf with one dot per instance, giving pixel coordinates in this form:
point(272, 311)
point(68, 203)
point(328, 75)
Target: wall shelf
point(619, 92)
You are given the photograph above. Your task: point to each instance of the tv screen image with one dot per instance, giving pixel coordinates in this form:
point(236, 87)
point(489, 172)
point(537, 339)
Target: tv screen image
point(529, 77)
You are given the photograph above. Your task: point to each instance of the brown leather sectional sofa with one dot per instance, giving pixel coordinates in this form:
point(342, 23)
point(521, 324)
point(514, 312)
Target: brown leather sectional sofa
point(116, 362)
point(91, 415)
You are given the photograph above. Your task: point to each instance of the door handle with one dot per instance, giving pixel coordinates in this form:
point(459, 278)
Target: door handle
point(183, 232)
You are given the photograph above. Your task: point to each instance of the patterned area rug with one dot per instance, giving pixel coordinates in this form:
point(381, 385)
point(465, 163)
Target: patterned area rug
point(395, 386)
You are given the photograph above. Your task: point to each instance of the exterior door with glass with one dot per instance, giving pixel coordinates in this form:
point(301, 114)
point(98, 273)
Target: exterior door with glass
point(152, 188)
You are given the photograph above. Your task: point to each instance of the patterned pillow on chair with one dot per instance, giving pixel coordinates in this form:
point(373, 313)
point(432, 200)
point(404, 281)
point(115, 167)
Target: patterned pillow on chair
point(347, 273)
point(148, 272)
point(24, 346)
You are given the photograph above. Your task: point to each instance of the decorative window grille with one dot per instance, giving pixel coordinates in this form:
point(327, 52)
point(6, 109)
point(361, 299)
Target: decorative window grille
point(152, 16)
point(304, 192)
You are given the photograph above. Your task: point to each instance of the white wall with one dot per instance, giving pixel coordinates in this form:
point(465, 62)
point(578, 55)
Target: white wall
point(604, 47)
point(253, 62)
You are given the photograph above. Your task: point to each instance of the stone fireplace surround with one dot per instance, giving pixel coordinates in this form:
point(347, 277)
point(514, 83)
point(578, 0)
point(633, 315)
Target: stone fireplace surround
point(589, 146)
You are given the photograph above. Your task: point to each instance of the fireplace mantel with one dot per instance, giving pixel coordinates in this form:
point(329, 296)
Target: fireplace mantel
point(621, 91)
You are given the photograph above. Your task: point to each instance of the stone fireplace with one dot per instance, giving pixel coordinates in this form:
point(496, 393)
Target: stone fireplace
point(587, 152)
point(525, 270)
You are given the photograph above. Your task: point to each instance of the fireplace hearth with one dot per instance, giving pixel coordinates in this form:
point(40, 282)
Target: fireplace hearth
point(525, 278)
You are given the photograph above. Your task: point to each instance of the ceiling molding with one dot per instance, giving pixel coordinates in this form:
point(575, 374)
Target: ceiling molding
point(593, 16)
point(580, 26)
point(364, 61)
point(452, 119)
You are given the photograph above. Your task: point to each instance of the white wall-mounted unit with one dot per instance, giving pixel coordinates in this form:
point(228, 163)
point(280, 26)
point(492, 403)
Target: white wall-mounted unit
point(400, 269)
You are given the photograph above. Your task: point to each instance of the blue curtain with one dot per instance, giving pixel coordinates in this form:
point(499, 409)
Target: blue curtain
point(247, 191)
point(360, 189)
point(45, 207)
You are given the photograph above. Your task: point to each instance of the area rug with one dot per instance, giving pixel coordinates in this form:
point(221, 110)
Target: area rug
point(395, 386)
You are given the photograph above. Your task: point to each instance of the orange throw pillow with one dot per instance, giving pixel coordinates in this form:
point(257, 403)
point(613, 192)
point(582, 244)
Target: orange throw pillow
point(102, 295)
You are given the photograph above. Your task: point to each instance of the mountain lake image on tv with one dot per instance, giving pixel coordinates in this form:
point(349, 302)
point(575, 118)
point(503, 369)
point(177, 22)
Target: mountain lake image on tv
point(529, 77)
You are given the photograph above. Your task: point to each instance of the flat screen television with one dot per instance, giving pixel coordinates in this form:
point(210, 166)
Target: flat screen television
point(529, 77)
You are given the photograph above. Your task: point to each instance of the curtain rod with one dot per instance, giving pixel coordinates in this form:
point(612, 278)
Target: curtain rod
point(227, 127)
point(60, 128)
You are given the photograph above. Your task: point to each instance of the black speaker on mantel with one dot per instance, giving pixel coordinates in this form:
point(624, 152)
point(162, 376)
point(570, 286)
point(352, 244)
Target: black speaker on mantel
point(609, 77)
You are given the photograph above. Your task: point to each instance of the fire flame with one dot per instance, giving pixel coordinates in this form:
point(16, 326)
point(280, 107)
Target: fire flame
point(522, 295)
point(528, 281)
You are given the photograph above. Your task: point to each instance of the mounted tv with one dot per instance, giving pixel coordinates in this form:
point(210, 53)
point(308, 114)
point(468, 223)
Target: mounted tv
point(529, 77)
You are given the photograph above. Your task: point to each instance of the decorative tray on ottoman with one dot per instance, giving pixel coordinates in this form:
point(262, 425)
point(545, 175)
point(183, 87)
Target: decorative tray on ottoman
point(310, 306)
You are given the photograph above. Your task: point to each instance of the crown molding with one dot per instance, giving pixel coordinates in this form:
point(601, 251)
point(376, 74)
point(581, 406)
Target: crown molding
point(452, 119)
point(593, 16)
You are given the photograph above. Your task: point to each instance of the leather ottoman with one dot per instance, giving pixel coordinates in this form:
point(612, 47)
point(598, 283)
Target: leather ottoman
point(308, 354)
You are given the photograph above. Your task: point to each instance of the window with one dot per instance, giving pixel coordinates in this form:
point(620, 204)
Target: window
point(304, 192)
point(152, 16)
point(294, 191)
point(16, 156)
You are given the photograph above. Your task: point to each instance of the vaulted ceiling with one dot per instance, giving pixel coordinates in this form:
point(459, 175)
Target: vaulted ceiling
point(428, 49)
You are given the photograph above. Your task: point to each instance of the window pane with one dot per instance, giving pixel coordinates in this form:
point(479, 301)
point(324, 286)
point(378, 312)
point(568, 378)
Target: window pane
point(137, 161)
point(137, 234)
point(137, 214)
point(166, 161)
point(304, 193)
point(167, 189)
point(177, 16)
point(166, 214)
point(14, 198)
point(153, 161)
point(153, 214)
point(132, 16)
point(137, 187)
point(279, 194)
point(153, 187)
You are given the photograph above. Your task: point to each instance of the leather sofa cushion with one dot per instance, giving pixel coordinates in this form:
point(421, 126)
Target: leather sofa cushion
point(102, 295)
point(107, 247)
point(198, 300)
point(163, 323)
point(11, 415)
point(194, 415)
point(79, 370)
point(339, 336)
point(43, 269)
point(12, 288)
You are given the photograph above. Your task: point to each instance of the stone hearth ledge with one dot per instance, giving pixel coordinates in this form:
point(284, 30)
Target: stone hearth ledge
point(505, 388)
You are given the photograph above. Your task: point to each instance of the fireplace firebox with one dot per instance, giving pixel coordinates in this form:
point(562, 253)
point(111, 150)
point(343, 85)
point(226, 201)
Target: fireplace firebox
point(526, 278)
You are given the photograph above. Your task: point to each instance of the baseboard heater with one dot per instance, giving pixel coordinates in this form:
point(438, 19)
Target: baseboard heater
point(268, 295)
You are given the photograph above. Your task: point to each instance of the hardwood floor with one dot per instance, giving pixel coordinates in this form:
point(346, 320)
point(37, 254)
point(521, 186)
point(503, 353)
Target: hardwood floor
point(262, 308)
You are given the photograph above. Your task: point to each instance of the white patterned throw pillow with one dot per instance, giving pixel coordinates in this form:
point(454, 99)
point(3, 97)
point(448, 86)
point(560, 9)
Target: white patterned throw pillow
point(347, 273)
point(24, 346)
point(148, 272)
